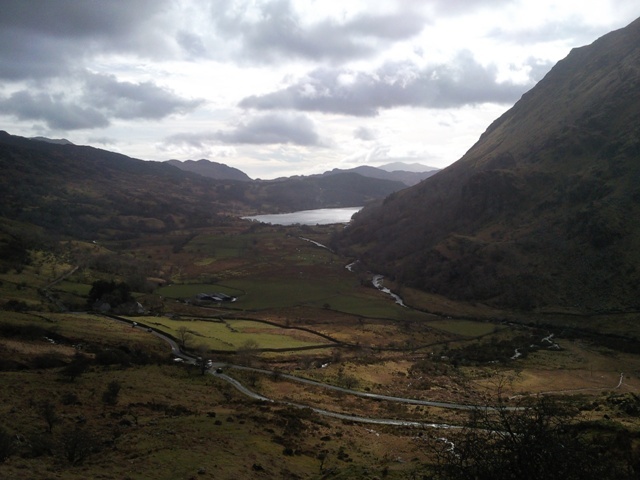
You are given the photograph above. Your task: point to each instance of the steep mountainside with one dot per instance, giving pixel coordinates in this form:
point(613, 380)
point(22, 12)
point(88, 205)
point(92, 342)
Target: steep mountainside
point(544, 210)
point(207, 168)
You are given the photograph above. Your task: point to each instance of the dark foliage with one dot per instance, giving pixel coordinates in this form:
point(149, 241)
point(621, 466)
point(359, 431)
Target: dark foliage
point(534, 443)
point(542, 210)
point(7, 444)
point(110, 292)
point(78, 444)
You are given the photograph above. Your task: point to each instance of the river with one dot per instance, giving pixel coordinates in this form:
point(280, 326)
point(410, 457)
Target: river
point(321, 216)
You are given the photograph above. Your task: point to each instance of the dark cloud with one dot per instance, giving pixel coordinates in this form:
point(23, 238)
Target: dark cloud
point(272, 129)
point(41, 39)
point(267, 129)
point(103, 98)
point(55, 110)
point(129, 100)
point(277, 31)
point(462, 82)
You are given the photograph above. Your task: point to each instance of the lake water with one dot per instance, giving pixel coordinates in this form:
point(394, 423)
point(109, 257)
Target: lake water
point(321, 216)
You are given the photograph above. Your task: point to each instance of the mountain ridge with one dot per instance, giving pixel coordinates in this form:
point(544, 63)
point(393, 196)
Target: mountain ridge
point(541, 210)
point(85, 192)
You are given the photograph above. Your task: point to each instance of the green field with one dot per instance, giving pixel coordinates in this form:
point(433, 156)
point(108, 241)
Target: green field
point(465, 328)
point(192, 289)
point(232, 335)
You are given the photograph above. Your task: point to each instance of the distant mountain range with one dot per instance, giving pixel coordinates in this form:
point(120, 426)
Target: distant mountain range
point(409, 174)
point(407, 167)
point(407, 177)
point(53, 186)
point(543, 211)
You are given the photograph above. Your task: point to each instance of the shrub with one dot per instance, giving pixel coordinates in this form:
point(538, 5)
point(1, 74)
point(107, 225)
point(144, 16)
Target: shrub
point(7, 444)
point(78, 444)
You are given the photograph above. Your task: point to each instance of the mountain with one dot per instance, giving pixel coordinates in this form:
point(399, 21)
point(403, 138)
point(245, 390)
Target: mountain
point(407, 167)
point(543, 211)
point(210, 169)
point(58, 141)
point(90, 193)
point(408, 178)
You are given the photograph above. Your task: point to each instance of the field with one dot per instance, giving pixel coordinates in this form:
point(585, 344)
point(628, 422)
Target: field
point(297, 311)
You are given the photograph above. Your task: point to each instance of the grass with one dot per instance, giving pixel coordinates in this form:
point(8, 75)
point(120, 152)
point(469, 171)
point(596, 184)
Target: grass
point(191, 290)
point(279, 278)
point(466, 328)
point(233, 334)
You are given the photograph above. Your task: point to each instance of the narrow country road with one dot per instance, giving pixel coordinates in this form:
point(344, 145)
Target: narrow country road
point(216, 370)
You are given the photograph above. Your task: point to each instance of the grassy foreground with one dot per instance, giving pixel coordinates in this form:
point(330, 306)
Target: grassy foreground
point(71, 377)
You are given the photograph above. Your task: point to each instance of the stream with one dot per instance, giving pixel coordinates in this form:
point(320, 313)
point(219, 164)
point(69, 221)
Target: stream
point(377, 282)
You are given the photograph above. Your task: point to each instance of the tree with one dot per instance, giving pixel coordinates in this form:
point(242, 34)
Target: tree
point(48, 412)
point(247, 351)
point(183, 335)
point(535, 442)
point(109, 292)
point(77, 367)
point(110, 395)
point(202, 360)
point(78, 444)
point(7, 444)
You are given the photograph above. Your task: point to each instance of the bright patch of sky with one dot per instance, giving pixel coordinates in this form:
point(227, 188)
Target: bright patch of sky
point(283, 87)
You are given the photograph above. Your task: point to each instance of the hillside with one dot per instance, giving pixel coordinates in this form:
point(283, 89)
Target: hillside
point(207, 168)
point(543, 210)
point(89, 193)
point(409, 178)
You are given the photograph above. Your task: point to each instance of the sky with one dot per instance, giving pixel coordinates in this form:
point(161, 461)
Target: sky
point(283, 87)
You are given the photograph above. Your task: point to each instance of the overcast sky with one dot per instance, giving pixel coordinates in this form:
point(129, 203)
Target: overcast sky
point(282, 87)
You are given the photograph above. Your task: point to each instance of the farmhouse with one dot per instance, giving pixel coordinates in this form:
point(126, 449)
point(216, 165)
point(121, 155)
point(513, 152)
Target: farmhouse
point(215, 297)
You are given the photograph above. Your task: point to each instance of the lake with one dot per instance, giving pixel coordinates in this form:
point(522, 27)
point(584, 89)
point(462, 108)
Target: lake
point(320, 216)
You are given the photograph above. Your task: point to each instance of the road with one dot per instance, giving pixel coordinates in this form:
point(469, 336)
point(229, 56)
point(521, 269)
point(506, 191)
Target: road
point(217, 369)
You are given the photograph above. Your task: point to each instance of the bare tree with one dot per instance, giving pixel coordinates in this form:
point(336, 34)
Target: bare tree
point(48, 411)
point(247, 352)
point(183, 336)
point(78, 444)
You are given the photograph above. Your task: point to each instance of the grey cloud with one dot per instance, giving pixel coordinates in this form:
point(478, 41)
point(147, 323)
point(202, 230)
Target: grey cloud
point(192, 44)
point(274, 129)
point(539, 68)
point(462, 82)
point(278, 32)
point(43, 39)
point(55, 111)
point(267, 129)
point(103, 98)
point(134, 100)
point(364, 133)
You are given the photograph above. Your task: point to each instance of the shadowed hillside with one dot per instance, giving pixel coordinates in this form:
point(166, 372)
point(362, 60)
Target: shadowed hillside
point(543, 210)
point(89, 193)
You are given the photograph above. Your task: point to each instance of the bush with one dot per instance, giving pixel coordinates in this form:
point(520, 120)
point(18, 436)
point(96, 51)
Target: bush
point(531, 443)
point(78, 444)
point(110, 395)
point(7, 444)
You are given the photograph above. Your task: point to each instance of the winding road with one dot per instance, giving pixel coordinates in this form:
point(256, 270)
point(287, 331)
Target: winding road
point(217, 370)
